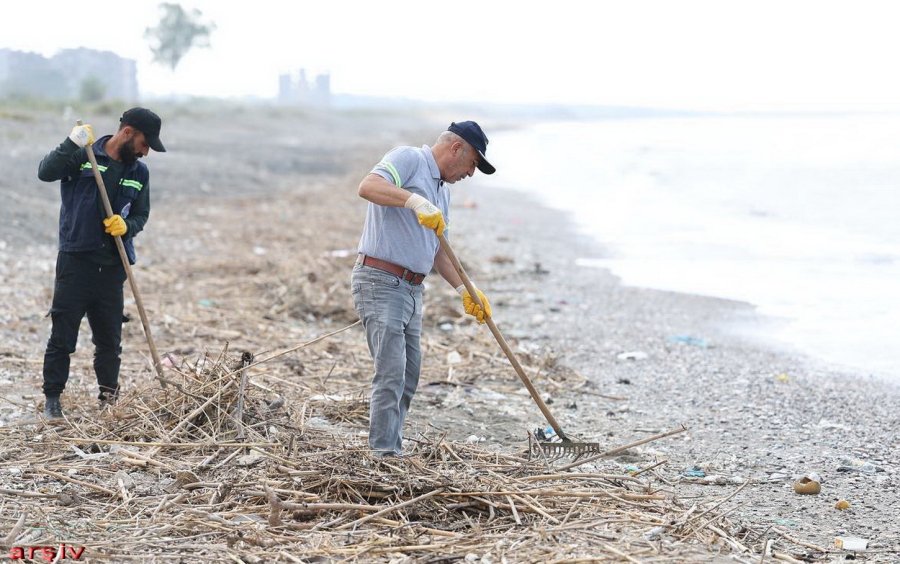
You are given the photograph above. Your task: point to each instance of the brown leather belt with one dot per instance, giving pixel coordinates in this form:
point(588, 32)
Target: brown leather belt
point(413, 278)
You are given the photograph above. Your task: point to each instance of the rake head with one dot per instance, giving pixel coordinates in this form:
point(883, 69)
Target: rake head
point(552, 444)
point(570, 448)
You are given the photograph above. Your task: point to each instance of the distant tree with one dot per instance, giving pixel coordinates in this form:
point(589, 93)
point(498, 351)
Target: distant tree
point(91, 89)
point(177, 33)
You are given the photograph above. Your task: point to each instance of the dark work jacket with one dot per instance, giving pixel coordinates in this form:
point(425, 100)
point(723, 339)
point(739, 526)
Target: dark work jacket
point(81, 214)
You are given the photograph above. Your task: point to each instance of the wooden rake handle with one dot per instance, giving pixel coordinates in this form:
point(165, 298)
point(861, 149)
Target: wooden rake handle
point(157, 364)
point(501, 341)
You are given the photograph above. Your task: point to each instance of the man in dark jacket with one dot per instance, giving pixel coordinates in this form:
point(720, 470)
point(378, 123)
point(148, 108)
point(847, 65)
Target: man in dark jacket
point(89, 273)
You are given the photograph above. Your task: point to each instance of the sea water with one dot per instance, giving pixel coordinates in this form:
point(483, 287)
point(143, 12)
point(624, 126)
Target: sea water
point(795, 214)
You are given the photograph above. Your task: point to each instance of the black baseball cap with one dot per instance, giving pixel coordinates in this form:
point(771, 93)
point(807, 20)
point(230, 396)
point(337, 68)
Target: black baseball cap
point(147, 123)
point(474, 136)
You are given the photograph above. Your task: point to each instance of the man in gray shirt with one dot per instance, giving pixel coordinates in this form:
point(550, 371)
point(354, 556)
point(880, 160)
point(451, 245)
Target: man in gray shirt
point(408, 199)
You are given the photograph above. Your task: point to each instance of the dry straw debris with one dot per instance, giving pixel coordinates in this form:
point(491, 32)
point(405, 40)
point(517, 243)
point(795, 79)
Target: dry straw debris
point(221, 467)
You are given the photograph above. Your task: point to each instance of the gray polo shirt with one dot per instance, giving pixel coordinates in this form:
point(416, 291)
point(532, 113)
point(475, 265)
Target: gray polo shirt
point(394, 234)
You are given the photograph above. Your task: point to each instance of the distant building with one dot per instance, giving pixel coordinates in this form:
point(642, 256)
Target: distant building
point(70, 74)
point(117, 75)
point(296, 90)
point(27, 74)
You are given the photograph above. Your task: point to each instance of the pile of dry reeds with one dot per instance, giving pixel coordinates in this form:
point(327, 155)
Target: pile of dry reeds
point(216, 466)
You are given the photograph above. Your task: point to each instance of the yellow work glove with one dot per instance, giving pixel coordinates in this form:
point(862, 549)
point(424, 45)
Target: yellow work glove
point(429, 215)
point(471, 307)
point(82, 135)
point(115, 225)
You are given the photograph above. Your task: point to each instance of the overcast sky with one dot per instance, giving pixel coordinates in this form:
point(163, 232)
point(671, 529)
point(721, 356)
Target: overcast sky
point(723, 55)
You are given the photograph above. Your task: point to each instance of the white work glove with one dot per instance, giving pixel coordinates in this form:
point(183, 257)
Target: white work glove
point(428, 214)
point(82, 135)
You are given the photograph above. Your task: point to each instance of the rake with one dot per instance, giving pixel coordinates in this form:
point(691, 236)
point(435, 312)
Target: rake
point(157, 364)
point(562, 446)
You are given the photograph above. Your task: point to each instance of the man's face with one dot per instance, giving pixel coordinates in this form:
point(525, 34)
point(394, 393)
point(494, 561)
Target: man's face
point(134, 148)
point(463, 163)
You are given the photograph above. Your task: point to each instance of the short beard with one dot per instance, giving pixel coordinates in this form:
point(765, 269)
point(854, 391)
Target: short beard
point(127, 154)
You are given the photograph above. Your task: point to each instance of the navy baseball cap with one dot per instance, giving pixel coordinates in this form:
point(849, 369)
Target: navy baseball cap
point(147, 123)
point(474, 136)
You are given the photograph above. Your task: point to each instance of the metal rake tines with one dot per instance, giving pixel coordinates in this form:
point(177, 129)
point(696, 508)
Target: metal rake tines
point(572, 448)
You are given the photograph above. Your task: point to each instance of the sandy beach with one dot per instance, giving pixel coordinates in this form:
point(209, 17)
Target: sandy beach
point(252, 234)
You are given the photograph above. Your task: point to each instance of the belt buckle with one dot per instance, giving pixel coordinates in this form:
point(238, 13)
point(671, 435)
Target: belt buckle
point(407, 275)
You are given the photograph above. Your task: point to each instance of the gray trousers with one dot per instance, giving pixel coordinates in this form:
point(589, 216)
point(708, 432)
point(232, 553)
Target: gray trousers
point(391, 313)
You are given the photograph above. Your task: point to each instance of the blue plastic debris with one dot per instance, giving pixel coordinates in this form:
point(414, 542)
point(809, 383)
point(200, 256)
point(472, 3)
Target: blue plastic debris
point(546, 435)
point(690, 340)
point(694, 472)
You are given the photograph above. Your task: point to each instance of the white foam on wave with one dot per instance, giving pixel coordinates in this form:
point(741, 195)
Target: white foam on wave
point(795, 215)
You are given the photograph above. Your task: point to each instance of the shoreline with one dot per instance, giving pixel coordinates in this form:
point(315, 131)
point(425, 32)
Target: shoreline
point(677, 217)
point(754, 411)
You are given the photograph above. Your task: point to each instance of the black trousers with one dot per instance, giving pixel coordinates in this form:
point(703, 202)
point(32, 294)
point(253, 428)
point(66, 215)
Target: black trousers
point(85, 288)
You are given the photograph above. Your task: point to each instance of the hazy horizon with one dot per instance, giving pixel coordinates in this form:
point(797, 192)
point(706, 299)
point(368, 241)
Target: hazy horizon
point(693, 55)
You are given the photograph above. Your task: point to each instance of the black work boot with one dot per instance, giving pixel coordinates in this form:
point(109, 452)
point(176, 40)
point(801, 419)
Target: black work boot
point(107, 399)
point(52, 408)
